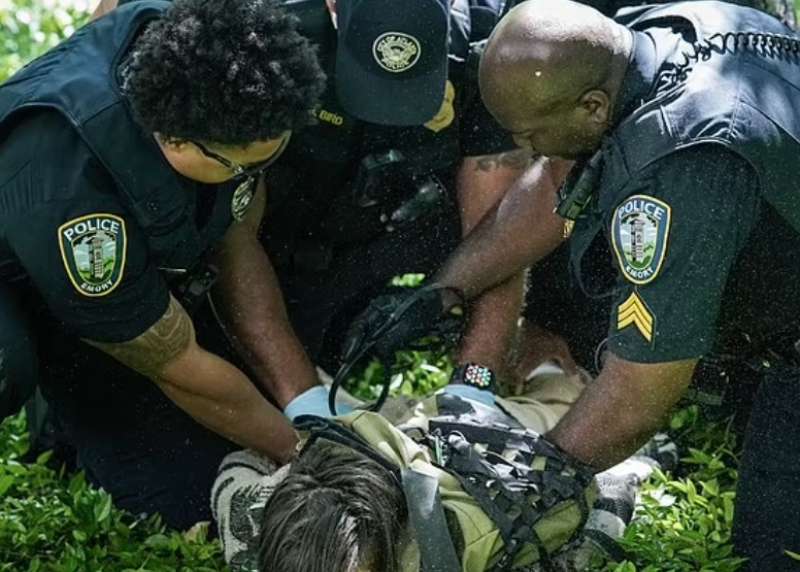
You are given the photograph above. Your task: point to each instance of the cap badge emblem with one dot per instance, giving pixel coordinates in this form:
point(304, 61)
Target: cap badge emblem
point(396, 52)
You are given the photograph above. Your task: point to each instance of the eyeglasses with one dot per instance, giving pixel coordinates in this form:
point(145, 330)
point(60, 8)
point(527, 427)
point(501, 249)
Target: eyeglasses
point(247, 172)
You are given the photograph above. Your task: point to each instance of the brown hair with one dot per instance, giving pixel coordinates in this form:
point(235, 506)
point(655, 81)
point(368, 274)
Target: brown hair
point(337, 510)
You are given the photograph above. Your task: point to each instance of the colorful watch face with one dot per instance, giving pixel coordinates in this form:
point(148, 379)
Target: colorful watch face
point(478, 376)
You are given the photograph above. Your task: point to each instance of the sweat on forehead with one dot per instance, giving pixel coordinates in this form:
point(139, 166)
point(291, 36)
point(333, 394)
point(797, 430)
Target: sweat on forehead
point(550, 48)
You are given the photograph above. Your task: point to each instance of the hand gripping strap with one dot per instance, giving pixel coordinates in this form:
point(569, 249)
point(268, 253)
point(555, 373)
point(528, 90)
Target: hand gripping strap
point(445, 328)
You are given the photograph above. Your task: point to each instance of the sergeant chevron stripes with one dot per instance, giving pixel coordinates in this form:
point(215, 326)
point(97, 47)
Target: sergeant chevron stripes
point(635, 311)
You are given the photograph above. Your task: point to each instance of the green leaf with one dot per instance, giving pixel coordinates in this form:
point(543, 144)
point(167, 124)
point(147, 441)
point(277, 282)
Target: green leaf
point(158, 541)
point(5, 483)
point(792, 555)
point(103, 510)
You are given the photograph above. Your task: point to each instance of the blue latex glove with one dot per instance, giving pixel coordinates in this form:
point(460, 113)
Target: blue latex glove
point(313, 401)
point(470, 392)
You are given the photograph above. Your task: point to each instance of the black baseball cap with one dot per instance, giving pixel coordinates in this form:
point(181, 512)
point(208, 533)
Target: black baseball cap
point(391, 59)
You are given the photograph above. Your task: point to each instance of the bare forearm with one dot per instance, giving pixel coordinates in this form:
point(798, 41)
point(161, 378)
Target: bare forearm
point(221, 398)
point(493, 322)
point(482, 184)
point(103, 8)
point(619, 411)
point(520, 231)
point(251, 306)
point(214, 392)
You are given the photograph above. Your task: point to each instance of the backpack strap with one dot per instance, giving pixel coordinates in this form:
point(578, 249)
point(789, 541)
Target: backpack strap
point(426, 515)
point(515, 476)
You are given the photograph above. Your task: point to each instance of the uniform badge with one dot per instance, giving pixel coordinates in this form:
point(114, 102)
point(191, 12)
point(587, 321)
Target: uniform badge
point(396, 52)
point(634, 312)
point(447, 112)
point(93, 248)
point(242, 197)
point(639, 233)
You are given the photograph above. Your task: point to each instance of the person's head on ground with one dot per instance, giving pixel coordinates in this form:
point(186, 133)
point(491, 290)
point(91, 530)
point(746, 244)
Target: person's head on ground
point(551, 73)
point(336, 511)
point(222, 84)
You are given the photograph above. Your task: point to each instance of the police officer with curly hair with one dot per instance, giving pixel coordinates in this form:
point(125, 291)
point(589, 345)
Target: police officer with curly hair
point(402, 159)
point(131, 156)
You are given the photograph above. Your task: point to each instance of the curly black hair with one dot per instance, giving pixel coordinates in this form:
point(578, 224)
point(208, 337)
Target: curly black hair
point(229, 72)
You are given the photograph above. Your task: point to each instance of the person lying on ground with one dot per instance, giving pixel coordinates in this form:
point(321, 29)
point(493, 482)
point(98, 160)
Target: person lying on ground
point(352, 498)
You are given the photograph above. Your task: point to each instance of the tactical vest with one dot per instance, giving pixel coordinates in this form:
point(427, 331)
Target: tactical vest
point(735, 82)
point(342, 180)
point(79, 79)
point(481, 495)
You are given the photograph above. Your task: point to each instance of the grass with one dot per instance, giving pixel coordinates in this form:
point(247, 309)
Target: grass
point(52, 522)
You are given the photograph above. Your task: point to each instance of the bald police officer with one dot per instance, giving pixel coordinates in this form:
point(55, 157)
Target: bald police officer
point(684, 127)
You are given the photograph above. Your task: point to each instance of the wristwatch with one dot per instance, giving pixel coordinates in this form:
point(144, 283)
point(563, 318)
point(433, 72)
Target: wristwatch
point(474, 375)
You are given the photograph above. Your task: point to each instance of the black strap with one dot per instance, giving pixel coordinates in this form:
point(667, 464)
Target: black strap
point(426, 515)
point(323, 428)
point(607, 544)
point(513, 494)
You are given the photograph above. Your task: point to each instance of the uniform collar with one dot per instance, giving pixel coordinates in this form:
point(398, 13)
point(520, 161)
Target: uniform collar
point(639, 77)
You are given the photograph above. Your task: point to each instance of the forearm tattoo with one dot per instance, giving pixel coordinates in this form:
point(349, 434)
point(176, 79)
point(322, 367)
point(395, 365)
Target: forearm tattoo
point(159, 345)
point(517, 160)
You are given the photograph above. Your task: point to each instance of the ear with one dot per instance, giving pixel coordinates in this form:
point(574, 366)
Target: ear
point(597, 105)
point(170, 144)
point(173, 151)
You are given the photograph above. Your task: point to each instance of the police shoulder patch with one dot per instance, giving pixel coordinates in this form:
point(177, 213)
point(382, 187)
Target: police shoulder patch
point(639, 235)
point(93, 249)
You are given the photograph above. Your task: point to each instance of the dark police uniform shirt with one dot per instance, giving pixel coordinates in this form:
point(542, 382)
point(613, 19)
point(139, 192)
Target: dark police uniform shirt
point(723, 263)
point(312, 184)
point(53, 190)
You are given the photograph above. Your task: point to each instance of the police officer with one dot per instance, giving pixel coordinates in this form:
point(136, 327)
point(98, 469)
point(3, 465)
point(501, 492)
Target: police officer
point(403, 147)
point(127, 153)
point(403, 159)
point(684, 127)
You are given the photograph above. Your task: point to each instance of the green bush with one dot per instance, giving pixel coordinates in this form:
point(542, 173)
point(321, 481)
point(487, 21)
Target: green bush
point(53, 523)
point(30, 27)
point(684, 524)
